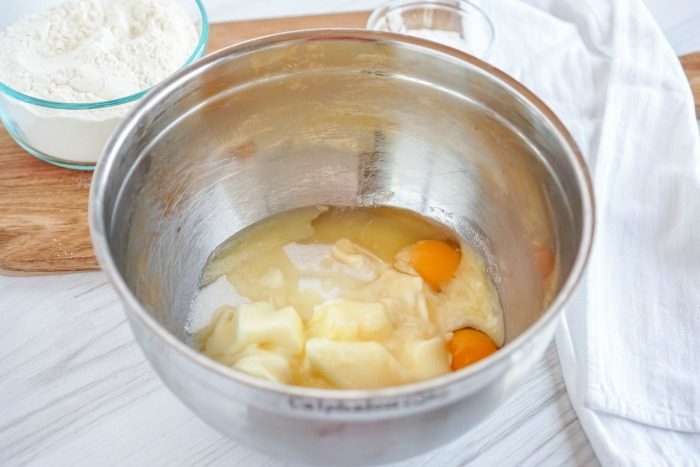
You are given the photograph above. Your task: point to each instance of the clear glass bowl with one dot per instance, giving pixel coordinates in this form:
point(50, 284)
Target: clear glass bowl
point(456, 23)
point(56, 132)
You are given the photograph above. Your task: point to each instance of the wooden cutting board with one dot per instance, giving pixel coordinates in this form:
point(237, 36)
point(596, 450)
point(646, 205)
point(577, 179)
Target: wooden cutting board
point(43, 208)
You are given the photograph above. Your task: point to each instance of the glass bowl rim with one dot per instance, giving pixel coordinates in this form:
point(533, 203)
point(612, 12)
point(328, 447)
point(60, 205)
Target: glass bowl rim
point(198, 49)
point(459, 6)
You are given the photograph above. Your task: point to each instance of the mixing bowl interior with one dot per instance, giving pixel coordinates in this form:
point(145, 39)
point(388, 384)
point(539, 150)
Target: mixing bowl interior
point(343, 121)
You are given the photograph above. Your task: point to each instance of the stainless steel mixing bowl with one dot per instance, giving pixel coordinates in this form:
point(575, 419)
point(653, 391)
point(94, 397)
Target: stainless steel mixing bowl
point(340, 117)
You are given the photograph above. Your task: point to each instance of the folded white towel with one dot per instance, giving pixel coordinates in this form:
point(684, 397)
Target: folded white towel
point(630, 341)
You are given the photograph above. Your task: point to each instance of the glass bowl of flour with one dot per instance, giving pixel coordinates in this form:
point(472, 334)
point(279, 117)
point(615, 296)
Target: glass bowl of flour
point(71, 70)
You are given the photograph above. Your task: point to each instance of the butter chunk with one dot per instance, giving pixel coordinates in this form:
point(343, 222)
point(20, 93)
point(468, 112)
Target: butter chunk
point(357, 258)
point(220, 341)
point(256, 324)
point(425, 359)
point(264, 364)
point(343, 319)
point(353, 365)
point(401, 291)
point(272, 279)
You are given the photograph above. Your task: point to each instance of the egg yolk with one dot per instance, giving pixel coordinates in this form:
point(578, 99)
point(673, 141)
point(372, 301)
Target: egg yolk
point(435, 261)
point(469, 346)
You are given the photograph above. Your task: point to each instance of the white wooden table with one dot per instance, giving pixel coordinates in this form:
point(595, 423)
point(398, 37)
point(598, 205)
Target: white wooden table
point(76, 390)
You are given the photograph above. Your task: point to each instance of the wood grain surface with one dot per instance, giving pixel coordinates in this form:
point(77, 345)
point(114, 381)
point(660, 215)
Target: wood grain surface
point(43, 208)
point(691, 65)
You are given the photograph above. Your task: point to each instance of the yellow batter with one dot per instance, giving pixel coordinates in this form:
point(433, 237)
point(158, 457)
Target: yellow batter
point(329, 298)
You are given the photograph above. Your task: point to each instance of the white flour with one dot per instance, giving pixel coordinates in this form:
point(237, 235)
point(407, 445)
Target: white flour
point(88, 51)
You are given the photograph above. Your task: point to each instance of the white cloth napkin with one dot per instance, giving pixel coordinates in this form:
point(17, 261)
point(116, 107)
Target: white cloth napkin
point(629, 344)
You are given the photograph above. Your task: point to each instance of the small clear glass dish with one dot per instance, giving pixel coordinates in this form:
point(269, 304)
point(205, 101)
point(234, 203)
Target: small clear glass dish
point(456, 23)
point(50, 130)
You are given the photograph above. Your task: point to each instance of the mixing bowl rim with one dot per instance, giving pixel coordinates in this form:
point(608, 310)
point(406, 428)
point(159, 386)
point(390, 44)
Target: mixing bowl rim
point(135, 309)
point(197, 52)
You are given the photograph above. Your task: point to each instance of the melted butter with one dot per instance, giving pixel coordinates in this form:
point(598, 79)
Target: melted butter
point(327, 308)
point(382, 230)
